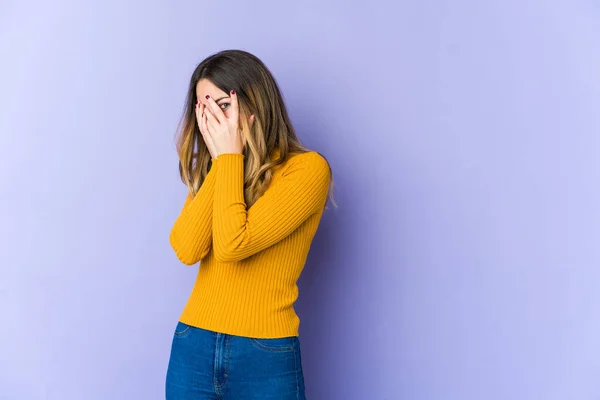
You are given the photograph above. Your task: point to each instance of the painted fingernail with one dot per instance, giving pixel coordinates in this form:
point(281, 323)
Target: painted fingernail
point(207, 97)
point(232, 91)
point(197, 101)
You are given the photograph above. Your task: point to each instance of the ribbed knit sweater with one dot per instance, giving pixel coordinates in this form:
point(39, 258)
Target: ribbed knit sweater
point(251, 258)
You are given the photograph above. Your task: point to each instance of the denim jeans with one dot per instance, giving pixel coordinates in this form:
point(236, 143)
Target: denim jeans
point(211, 365)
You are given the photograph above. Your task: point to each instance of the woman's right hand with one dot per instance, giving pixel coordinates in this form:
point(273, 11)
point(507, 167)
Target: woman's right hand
point(202, 121)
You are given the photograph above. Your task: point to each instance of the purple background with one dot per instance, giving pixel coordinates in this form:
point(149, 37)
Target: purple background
point(462, 263)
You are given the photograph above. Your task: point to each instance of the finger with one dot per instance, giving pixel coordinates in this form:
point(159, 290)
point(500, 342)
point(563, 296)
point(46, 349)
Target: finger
point(203, 128)
point(201, 114)
point(198, 111)
point(207, 137)
point(216, 110)
point(201, 124)
point(235, 111)
point(213, 123)
point(208, 130)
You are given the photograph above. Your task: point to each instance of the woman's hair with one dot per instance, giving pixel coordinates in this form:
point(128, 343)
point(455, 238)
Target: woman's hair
point(258, 94)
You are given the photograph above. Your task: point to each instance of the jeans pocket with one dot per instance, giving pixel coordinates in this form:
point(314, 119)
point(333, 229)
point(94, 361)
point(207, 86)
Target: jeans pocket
point(277, 345)
point(182, 329)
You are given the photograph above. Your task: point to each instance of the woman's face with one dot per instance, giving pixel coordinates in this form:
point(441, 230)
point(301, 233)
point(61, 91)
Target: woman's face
point(206, 87)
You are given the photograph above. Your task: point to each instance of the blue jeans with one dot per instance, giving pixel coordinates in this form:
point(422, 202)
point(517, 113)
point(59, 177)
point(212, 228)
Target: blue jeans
point(211, 365)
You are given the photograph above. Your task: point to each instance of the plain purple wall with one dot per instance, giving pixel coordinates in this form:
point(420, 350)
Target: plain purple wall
point(464, 259)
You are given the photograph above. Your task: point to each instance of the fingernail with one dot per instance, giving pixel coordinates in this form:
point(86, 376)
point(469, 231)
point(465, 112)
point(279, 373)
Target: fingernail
point(197, 101)
point(232, 91)
point(207, 97)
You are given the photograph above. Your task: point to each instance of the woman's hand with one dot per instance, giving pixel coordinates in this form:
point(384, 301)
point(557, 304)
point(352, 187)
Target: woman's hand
point(223, 131)
point(201, 119)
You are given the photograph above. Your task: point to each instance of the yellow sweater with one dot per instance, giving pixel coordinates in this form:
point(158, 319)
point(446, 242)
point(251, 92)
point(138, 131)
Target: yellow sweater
point(251, 258)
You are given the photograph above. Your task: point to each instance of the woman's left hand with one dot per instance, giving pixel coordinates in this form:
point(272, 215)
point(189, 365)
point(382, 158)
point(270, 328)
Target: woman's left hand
point(224, 130)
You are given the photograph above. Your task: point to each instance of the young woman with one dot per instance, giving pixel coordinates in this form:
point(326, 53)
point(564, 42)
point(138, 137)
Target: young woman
point(256, 197)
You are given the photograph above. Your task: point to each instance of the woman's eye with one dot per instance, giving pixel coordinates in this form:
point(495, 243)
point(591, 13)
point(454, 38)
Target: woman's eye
point(224, 106)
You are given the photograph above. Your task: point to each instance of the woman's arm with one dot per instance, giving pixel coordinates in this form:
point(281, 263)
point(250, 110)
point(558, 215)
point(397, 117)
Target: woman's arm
point(300, 192)
point(191, 235)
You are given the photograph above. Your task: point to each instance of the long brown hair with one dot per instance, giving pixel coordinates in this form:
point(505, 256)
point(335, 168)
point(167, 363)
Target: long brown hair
point(259, 95)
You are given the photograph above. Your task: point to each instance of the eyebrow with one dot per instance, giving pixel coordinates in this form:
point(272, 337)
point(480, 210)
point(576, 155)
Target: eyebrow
point(221, 98)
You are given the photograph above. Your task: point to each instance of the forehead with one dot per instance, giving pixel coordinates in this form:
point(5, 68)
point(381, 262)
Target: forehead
point(204, 87)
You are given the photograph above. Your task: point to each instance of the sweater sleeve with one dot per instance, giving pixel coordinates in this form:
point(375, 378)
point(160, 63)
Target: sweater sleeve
point(191, 235)
point(290, 200)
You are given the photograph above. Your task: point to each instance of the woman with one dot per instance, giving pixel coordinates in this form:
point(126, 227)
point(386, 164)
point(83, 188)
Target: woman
point(256, 197)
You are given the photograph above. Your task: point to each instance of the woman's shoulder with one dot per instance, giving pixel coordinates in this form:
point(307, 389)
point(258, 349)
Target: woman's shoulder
point(307, 163)
point(309, 158)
